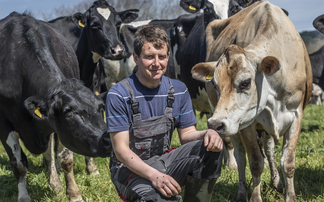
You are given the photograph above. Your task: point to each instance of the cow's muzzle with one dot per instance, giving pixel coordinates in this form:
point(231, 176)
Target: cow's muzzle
point(104, 147)
point(117, 52)
point(218, 126)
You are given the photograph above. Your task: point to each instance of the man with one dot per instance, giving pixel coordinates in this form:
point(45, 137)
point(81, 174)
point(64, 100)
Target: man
point(142, 112)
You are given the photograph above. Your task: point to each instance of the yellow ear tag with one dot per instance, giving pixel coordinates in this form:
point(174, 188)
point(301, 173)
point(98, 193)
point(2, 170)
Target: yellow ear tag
point(210, 76)
point(37, 112)
point(192, 8)
point(80, 24)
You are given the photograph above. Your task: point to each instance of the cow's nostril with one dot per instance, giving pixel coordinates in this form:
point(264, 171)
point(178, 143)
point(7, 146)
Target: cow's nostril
point(220, 126)
point(113, 51)
point(217, 125)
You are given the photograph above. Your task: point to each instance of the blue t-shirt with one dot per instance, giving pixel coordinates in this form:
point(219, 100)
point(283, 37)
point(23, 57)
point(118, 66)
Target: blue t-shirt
point(152, 103)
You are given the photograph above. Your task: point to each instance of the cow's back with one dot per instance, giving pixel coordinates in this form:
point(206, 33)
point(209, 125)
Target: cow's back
point(32, 55)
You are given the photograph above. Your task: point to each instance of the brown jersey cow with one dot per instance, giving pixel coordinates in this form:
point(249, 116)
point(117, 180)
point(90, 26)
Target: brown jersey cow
point(262, 81)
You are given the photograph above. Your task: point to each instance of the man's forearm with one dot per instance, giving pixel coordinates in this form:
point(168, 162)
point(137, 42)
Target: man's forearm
point(192, 136)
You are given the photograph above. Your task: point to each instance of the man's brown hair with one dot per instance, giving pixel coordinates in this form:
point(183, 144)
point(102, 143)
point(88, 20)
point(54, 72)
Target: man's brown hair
point(152, 34)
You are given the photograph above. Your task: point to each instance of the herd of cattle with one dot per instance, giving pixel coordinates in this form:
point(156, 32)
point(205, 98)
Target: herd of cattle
point(243, 61)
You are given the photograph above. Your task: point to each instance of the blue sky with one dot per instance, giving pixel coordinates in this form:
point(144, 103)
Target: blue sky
point(301, 12)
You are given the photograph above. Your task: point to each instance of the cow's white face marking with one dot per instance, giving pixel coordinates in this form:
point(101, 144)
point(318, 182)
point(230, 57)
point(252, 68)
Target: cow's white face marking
point(221, 8)
point(105, 12)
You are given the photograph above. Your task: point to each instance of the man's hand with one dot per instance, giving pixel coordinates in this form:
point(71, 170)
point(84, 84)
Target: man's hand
point(166, 185)
point(213, 141)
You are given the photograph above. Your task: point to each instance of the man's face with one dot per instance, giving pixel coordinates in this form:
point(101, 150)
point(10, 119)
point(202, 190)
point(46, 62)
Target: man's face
point(152, 64)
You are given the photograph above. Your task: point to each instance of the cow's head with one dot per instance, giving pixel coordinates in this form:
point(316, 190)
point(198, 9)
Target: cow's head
point(102, 29)
point(318, 23)
point(194, 6)
point(222, 8)
point(234, 7)
point(77, 116)
point(240, 90)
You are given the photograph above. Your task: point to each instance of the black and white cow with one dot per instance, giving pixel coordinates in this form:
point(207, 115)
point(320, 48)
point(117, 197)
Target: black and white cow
point(94, 33)
point(40, 93)
point(317, 58)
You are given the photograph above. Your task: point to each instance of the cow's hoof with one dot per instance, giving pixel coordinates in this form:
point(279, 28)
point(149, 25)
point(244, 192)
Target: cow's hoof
point(91, 167)
point(96, 172)
point(25, 198)
point(241, 197)
point(232, 166)
point(57, 188)
point(278, 185)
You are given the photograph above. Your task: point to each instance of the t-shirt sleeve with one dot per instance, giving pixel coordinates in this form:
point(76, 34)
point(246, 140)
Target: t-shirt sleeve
point(186, 117)
point(116, 111)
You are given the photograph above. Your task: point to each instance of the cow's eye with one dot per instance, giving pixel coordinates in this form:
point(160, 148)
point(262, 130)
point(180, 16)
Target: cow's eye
point(95, 25)
point(245, 84)
point(68, 112)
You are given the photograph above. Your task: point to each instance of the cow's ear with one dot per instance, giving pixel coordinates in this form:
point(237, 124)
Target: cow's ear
point(37, 107)
point(285, 11)
point(318, 23)
point(190, 6)
point(204, 71)
point(270, 65)
point(79, 19)
point(128, 15)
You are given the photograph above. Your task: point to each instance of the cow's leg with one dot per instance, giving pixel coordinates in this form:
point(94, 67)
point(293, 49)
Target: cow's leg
point(269, 150)
point(287, 161)
point(65, 158)
point(19, 164)
point(49, 161)
point(239, 153)
point(229, 158)
point(91, 166)
point(249, 140)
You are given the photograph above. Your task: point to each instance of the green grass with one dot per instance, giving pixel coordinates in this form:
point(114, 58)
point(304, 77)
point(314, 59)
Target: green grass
point(309, 174)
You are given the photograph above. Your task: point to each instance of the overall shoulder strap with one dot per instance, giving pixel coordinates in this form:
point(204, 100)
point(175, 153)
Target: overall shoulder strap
point(170, 94)
point(134, 103)
point(170, 99)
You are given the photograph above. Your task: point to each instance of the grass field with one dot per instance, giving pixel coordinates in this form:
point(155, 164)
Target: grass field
point(309, 174)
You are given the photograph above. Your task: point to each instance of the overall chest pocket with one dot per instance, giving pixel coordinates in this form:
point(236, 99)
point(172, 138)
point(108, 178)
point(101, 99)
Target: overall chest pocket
point(151, 137)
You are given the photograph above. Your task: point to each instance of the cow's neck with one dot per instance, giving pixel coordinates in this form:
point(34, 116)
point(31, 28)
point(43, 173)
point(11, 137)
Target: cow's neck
point(87, 64)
